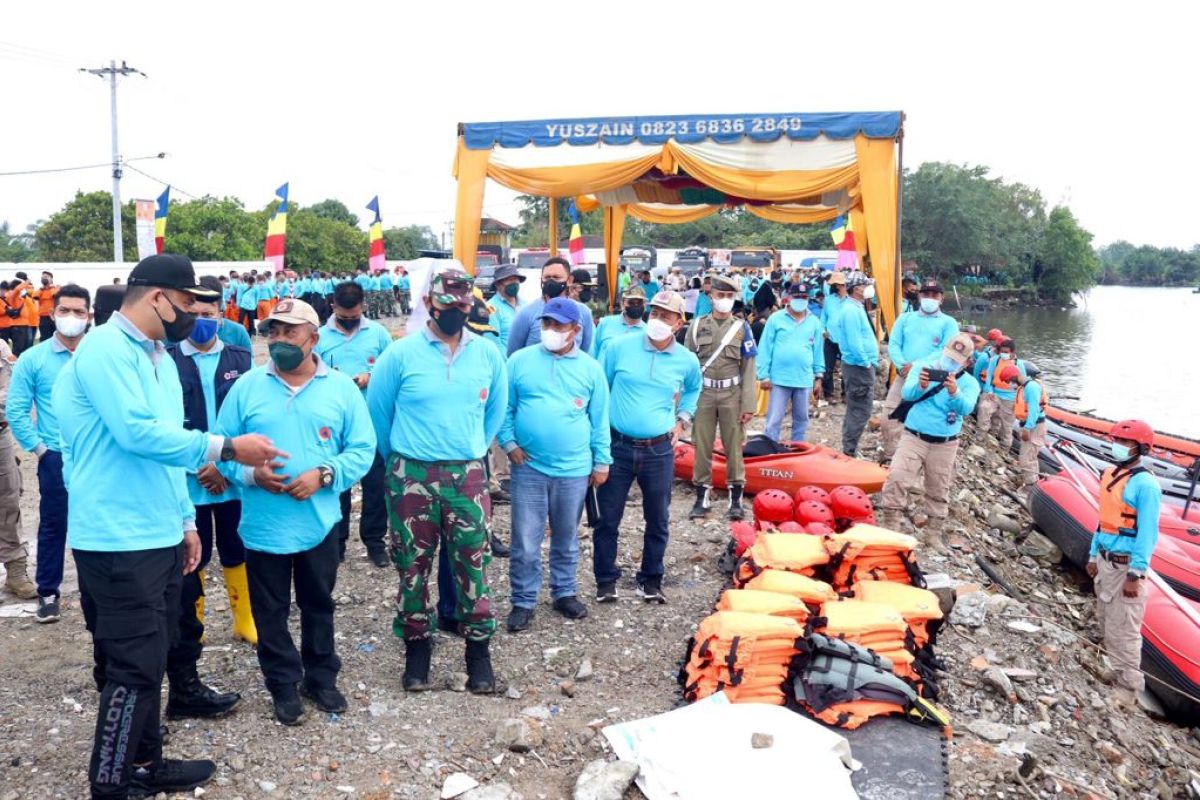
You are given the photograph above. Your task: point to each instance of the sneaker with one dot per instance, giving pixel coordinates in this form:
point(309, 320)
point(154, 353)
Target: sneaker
point(47, 609)
point(288, 708)
point(379, 556)
point(499, 548)
point(650, 590)
point(519, 619)
point(326, 698)
point(606, 592)
point(501, 497)
point(570, 607)
point(171, 775)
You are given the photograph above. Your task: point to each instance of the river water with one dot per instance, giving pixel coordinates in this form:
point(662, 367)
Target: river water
point(1124, 351)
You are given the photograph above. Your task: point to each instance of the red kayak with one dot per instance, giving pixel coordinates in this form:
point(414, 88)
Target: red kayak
point(1177, 449)
point(801, 464)
point(1065, 511)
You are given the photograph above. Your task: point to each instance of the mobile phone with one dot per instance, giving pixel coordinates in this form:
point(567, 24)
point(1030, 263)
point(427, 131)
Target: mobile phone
point(937, 375)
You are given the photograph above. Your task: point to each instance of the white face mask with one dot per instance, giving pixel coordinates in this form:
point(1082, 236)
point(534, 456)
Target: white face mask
point(70, 327)
point(723, 305)
point(554, 340)
point(658, 330)
point(869, 293)
point(930, 305)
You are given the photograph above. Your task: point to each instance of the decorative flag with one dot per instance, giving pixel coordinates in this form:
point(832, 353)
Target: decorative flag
point(376, 260)
point(144, 214)
point(277, 231)
point(160, 219)
point(838, 230)
point(847, 257)
point(575, 242)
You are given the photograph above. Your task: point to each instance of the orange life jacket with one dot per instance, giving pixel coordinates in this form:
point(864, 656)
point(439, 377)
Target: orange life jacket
point(1117, 516)
point(802, 587)
point(1021, 408)
point(1004, 386)
point(762, 602)
point(787, 551)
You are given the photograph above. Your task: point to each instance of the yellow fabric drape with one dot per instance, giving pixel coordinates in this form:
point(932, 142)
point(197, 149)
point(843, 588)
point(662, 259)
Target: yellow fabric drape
point(614, 230)
point(553, 224)
point(575, 180)
point(859, 225)
point(776, 187)
point(877, 177)
point(798, 216)
point(470, 167)
point(670, 216)
point(586, 203)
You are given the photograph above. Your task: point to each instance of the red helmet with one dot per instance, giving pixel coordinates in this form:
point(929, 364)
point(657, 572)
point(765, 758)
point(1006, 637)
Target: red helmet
point(811, 493)
point(995, 335)
point(812, 511)
point(743, 536)
point(1135, 430)
point(1009, 374)
point(791, 526)
point(772, 505)
point(819, 529)
point(850, 502)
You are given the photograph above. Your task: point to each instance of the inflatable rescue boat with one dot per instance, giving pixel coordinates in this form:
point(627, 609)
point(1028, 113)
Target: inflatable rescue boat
point(798, 464)
point(1182, 451)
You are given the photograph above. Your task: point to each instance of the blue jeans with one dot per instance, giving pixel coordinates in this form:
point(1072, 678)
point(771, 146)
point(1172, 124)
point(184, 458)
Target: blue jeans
point(52, 529)
point(654, 470)
point(537, 497)
point(777, 403)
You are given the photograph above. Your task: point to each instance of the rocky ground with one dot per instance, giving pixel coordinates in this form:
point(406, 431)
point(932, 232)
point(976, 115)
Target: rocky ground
point(1030, 711)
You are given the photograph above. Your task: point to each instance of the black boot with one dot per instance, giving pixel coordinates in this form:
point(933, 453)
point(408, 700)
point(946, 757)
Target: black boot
point(735, 503)
point(189, 697)
point(499, 548)
point(700, 509)
point(417, 653)
point(480, 678)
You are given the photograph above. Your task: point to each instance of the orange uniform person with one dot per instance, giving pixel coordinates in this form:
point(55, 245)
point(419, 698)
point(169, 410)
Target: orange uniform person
point(45, 299)
point(22, 309)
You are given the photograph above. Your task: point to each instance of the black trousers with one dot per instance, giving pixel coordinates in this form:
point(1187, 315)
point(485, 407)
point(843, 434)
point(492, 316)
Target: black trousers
point(247, 317)
point(372, 525)
point(271, 577)
point(833, 354)
point(45, 327)
point(219, 522)
point(22, 338)
point(130, 603)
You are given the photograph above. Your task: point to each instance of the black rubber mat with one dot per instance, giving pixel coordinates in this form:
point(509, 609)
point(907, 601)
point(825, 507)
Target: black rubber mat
point(899, 760)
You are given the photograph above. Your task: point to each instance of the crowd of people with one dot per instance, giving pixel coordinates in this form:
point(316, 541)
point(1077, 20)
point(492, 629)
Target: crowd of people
point(553, 405)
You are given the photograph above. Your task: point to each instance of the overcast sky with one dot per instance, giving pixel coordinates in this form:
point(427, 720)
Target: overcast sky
point(351, 99)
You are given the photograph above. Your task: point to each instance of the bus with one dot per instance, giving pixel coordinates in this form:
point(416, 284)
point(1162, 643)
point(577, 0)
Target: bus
point(765, 258)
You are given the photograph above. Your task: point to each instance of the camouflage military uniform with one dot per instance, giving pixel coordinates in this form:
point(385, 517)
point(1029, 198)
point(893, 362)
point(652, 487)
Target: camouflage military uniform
point(728, 390)
point(446, 502)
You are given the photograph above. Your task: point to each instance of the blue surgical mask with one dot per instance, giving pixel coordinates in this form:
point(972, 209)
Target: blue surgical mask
point(799, 306)
point(930, 305)
point(204, 331)
point(1121, 452)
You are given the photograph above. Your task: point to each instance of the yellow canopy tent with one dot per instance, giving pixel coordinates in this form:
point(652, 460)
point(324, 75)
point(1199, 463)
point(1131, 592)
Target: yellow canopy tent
point(798, 168)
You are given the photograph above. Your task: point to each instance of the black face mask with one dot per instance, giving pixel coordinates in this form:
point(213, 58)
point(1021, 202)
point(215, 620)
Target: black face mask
point(449, 320)
point(552, 288)
point(348, 324)
point(634, 310)
point(585, 295)
point(179, 328)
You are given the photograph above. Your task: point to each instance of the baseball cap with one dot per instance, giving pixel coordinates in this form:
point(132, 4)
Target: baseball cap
point(726, 283)
point(959, 349)
point(581, 277)
point(507, 271)
point(169, 271)
point(930, 287)
point(213, 284)
point(292, 312)
point(562, 309)
point(635, 291)
point(837, 277)
point(669, 301)
point(479, 317)
point(798, 290)
point(450, 285)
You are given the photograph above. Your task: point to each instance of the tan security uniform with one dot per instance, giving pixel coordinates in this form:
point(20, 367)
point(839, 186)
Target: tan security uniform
point(1120, 619)
point(727, 390)
point(11, 548)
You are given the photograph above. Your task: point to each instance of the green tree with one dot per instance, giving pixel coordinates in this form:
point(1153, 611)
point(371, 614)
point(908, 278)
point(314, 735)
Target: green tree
point(214, 229)
point(317, 242)
point(17, 246)
point(404, 243)
point(82, 230)
point(1112, 260)
point(1065, 261)
point(335, 210)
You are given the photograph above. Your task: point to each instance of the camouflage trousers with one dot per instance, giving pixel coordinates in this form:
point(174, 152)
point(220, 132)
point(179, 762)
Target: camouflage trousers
point(432, 502)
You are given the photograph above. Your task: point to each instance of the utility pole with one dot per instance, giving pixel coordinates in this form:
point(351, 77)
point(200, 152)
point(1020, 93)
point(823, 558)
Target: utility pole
point(111, 72)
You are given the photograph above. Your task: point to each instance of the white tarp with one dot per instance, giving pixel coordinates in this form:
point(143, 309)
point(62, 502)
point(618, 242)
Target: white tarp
point(703, 751)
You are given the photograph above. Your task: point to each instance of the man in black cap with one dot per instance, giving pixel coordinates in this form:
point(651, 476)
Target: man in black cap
point(131, 524)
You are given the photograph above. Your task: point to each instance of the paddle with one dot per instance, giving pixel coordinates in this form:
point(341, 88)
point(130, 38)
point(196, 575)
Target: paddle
point(1192, 490)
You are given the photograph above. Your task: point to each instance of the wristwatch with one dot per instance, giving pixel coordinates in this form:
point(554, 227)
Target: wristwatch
point(326, 476)
point(227, 451)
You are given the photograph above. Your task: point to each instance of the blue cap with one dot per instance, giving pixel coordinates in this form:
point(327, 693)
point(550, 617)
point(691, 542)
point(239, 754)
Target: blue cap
point(562, 309)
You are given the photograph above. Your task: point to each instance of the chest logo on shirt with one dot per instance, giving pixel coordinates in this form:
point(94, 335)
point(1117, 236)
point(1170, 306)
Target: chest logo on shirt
point(231, 374)
point(483, 395)
point(325, 434)
point(937, 340)
point(371, 359)
point(579, 402)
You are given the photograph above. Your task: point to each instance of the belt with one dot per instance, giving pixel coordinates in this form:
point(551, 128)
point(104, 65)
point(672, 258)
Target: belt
point(722, 383)
point(617, 436)
point(1116, 559)
point(925, 437)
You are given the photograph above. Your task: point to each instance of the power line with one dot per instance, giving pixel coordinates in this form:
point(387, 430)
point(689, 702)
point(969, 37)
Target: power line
point(174, 188)
point(74, 169)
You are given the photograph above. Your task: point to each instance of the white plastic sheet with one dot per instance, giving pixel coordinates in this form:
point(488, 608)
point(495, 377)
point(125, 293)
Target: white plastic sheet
point(703, 751)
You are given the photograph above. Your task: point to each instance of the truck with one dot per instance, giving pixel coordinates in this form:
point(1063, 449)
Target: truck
point(764, 258)
point(638, 258)
point(691, 260)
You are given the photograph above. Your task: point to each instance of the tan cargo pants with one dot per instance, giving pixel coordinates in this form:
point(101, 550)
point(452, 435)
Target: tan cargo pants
point(1028, 458)
point(1120, 620)
point(891, 428)
point(916, 458)
point(11, 547)
point(996, 417)
point(718, 408)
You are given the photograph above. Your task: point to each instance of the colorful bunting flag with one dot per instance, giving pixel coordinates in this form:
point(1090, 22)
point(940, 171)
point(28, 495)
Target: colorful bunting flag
point(376, 259)
point(838, 230)
point(575, 242)
point(277, 231)
point(160, 219)
point(846, 249)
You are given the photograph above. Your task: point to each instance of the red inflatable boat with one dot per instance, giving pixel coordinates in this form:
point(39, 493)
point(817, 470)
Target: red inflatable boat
point(1177, 449)
point(1065, 511)
point(801, 464)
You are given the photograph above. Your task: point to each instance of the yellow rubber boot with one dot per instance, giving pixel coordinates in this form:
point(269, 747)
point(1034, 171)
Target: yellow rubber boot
point(239, 602)
point(200, 603)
